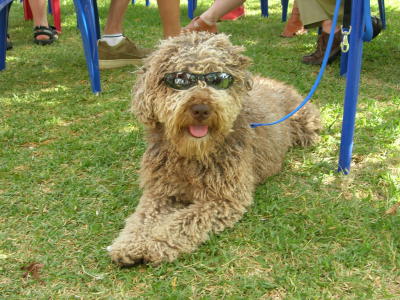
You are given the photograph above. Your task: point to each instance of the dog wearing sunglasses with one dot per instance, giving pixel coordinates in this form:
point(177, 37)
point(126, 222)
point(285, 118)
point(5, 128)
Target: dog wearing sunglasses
point(197, 99)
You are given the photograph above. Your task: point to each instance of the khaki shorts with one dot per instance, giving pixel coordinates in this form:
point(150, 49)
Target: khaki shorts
point(313, 12)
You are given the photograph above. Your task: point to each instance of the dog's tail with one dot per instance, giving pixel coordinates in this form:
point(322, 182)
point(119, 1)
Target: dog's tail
point(305, 126)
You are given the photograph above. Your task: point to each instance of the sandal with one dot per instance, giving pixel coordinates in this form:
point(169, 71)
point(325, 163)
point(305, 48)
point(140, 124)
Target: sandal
point(9, 44)
point(50, 31)
point(197, 24)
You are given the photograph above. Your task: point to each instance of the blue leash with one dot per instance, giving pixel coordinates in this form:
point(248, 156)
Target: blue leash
point(320, 74)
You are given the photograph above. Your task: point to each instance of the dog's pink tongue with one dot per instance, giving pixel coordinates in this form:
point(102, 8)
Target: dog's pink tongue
point(198, 130)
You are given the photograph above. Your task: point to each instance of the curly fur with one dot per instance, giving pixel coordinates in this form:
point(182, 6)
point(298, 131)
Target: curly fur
point(193, 187)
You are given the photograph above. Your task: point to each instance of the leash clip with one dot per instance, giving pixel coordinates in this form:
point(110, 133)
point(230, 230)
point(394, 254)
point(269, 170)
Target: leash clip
point(344, 45)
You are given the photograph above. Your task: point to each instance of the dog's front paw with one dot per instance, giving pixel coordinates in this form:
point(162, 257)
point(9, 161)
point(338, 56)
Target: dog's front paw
point(127, 254)
point(160, 251)
point(138, 251)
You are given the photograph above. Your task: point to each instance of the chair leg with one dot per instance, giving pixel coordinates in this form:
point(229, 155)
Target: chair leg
point(285, 4)
point(382, 13)
point(3, 36)
point(85, 10)
point(27, 10)
point(191, 8)
point(55, 6)
point(344, 58)
point(352, 87)
point(264, 8)
point(96, 19)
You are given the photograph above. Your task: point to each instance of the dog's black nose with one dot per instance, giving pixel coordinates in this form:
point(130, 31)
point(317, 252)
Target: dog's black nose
point(200, 111)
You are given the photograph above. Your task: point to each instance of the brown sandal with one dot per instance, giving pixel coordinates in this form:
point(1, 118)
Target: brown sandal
point(197, 24)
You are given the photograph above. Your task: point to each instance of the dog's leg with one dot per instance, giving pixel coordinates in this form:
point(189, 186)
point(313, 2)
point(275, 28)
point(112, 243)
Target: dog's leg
point(184, 230)
point(128, 248)
point(165, 234)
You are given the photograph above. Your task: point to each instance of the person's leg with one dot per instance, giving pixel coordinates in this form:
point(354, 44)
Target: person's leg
point(208, 20)
point(9, 44)
point(39, 12)
point(319, 13)
point(329, 7)
point(218, 9)
point(116, 50)
point(314, 12)
point(311, 13)
point(326, 26)
point(294, 26)
point(115, 18)
point(43, 34)
point(113, 30)
point(234, 14)
point(170, 17)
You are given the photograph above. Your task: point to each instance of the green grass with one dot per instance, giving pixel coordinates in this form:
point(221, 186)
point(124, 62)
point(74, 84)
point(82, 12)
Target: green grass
point(69, 161)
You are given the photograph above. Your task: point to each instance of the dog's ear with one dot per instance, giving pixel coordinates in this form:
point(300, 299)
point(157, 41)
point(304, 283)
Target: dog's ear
point(142, 101)
point(239, 64)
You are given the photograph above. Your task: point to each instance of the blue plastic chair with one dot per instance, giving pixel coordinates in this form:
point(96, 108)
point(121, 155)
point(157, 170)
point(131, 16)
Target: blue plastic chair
point(4, 4)
point(88, 24)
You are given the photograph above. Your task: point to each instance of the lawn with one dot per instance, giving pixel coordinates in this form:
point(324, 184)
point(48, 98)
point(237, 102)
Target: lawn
point(69, 162)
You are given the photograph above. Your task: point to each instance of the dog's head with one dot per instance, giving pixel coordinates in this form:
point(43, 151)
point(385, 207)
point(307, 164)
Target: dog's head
point(192, 87)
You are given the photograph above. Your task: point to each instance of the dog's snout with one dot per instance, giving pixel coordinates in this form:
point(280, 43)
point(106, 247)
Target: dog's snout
point(200, 111)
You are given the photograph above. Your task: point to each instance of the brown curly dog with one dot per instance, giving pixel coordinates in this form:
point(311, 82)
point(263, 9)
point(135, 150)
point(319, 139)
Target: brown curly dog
point(196, 98)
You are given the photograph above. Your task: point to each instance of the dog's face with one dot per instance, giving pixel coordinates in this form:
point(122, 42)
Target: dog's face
point(192, 87)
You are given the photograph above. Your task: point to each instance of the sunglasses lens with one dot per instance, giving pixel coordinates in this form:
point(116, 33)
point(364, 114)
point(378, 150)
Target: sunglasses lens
point(185, 80)
point(219, 80)
point(180, 80)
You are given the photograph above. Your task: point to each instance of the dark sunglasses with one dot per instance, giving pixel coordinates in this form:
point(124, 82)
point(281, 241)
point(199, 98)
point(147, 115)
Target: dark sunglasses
point(186, 80)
